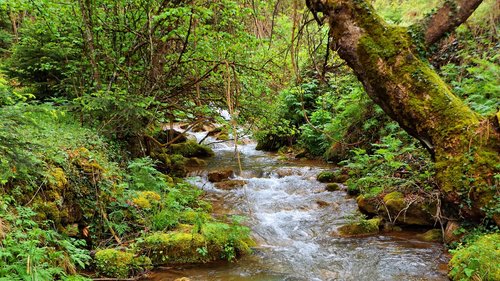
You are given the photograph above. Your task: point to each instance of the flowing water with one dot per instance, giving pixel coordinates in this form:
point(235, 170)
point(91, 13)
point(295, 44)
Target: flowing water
point(294, 221)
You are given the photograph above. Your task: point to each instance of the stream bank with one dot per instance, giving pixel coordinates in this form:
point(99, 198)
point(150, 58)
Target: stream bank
point(295, 222)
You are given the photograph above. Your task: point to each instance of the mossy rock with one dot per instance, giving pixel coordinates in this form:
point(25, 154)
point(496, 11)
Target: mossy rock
point(394, 201)
point(333, 187)
point(478, 260)
point(118, 264)
point(360, 228)
point(195, 162)
point(433, 235)
point(418, 212)
point(326, 177)
point(214, 241)
point(192, 149)
point(174, 165)
point(174, 248)
point(369, 206)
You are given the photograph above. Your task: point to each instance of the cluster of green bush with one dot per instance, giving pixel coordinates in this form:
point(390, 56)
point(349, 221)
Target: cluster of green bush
point(66, 190)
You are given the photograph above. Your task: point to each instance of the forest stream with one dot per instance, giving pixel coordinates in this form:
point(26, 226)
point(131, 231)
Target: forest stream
point(294, 221)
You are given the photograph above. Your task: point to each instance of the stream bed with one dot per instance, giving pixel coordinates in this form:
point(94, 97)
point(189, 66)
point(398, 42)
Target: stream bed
point(294, 221)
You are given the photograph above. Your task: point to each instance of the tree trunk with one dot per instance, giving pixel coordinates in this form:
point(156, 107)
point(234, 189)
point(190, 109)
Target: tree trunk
point(384, 58)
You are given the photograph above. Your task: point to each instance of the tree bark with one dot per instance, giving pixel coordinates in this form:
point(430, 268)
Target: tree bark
point(448, 17)
point(385, 60)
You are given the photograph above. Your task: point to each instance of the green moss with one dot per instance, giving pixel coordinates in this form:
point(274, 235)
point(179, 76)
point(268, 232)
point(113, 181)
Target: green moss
point(433, 235)
point(326, 176)
point(174, 248)
point(332, 187)
point(477, 261)
point(192, 149)
point(395, 201)
point(363, 227)
point(117, 264)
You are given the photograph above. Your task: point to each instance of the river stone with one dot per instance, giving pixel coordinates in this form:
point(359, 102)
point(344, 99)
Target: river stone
point(230, 184)
point(220, 175)
point(333, 187)
point(364, 227)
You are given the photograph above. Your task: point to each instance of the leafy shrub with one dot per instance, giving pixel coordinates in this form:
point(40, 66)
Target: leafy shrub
point(478, 260)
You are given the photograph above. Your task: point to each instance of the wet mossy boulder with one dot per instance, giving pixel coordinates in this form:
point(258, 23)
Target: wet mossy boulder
point(194, 162)
point(333, 187)
point(326, 177)
point(338, 176)
point(477, 261)
point(417, 211)
point(433, 235)
point(220, 175)
point(120, 264)
point(360, 228)
point(174, 248)
point(173, 164)
point(191, 149)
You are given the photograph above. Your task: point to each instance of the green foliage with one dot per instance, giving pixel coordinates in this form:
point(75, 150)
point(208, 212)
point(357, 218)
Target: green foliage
point(31, 251)
point(478, 85)
point(478, 260)
point(391, 165)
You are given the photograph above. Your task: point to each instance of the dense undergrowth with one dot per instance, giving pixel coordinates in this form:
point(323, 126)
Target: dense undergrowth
point(66, 191)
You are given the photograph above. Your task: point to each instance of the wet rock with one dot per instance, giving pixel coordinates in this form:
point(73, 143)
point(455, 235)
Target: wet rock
point(368, 206)
point(195, 162)
point(220, 175)
point(418, 211)
point(363, 227)
point(333, 187)
point(322, 204)
point(192, 149)
point(326, 177)
point(284, 172)
point(182, 279)
point(433, 235)
point(339, 176)
point(451, 232)
point(230, 184)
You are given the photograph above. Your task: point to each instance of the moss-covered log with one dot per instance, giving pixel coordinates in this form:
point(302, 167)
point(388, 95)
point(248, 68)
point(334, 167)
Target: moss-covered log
point(385, 59)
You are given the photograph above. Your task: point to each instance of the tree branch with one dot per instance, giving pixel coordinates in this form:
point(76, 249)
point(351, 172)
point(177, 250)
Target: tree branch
point(448, 17)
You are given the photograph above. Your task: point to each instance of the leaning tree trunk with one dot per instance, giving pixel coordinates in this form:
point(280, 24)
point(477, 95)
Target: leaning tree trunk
point(384, 58)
